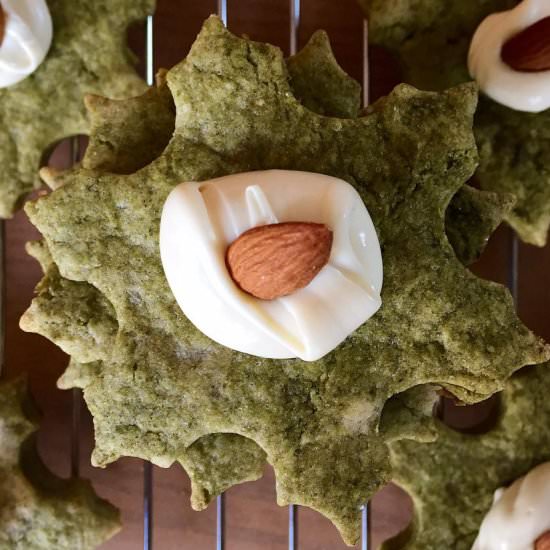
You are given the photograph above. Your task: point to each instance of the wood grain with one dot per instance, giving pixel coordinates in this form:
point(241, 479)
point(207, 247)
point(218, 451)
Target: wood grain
point(254, 521)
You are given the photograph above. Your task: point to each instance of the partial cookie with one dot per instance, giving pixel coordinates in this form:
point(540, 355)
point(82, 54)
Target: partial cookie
point(430, 37)
point(438, 322)
point(431, 40)
point(452, 481)
point(88, 55)
point(39, 511)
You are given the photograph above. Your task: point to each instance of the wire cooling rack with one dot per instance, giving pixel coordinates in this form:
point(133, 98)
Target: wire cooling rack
point(148, 496)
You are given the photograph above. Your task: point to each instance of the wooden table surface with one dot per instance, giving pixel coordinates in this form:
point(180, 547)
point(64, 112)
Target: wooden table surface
point(254, 521)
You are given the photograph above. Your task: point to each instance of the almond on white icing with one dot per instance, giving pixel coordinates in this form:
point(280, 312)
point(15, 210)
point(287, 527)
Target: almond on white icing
point(522, 91)
point(200, 220)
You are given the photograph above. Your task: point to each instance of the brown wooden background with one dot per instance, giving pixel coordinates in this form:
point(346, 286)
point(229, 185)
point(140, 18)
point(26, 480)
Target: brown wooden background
point(254, 521)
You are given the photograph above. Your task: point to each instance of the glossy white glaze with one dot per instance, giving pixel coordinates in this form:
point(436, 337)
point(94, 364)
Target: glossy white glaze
point(520, 514)
point(522, 91)
point(27, 39)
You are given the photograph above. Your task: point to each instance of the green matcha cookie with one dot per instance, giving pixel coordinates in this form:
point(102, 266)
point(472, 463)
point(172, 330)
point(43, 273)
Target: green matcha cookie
point(88, 55)
point(39, 511)
point(161, 386)
point(431, 38)
point(452, 481)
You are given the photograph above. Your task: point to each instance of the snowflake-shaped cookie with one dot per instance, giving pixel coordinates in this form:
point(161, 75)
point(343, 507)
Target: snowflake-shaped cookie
point(39, 511)
point(161, 385)
point(431, 39)
point(88, 55)
point(452, 480)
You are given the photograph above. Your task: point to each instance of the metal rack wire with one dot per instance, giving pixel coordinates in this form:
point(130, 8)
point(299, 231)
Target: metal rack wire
point(148, 496)
point(365, 509)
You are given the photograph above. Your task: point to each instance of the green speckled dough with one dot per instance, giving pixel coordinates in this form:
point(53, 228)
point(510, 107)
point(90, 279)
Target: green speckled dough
point(214, 462)
point(431, 39)
point(165, 385)
point(129, 134)
point(39, 511)
point(217, 462)
point(321, 84)
point(88, 55)
point(409, 415)
point(452, 481)
point(62, 302)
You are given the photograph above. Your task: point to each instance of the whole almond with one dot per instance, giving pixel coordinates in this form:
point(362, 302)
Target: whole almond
point(543, 542)
point(529, 50)
point(275, 260)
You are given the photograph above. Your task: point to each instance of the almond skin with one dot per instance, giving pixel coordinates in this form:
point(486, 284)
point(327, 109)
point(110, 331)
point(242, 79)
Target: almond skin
point(543, 542)
point(529, 50)
point(275, 260)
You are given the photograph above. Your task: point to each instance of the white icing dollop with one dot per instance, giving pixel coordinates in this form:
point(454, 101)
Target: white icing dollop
point(522, 91)
point(27, 38)
point(200, 220)
point(520, 514)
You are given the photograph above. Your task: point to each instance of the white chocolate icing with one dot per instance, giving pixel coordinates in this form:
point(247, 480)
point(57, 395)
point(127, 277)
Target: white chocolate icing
point(200, 220)
point(522, 91)
point(27, 39)
point(520, 513)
